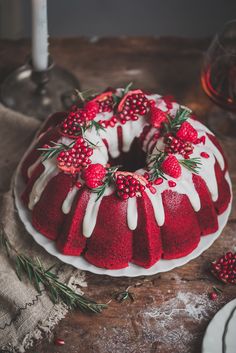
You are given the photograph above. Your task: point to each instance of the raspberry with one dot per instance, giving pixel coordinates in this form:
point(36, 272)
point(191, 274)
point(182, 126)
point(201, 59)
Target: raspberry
point(94, 175)
point(157, 117)
point(175, 145)
point(171, 166)
point(128, 186)
point(74, 159)
point(92, 107)
point(133, 104)
point(187, 133)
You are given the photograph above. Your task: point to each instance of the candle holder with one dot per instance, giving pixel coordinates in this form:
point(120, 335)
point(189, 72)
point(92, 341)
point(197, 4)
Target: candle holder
point(38, 93)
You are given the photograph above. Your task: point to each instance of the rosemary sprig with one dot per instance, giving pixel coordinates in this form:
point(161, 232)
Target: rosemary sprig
point(110, 177)
point(154, 162)
point(192, 164)
point(45, 279)
point(124, 295)
point(173, 125)
point(117, 99)
point(51, 151)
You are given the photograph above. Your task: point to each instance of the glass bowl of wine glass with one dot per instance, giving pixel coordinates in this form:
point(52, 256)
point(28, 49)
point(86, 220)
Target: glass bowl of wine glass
point(219, 80)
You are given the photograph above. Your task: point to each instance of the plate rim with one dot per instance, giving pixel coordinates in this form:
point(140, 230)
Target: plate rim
point(218, 325)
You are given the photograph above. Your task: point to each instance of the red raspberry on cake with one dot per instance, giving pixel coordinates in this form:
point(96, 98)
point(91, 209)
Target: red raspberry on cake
point(171, 167)
point(187, 133)
point(157, 117)
point(74, 159)
point(94, 175)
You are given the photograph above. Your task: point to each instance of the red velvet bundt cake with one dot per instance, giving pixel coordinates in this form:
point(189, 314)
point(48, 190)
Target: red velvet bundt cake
point(125, 177)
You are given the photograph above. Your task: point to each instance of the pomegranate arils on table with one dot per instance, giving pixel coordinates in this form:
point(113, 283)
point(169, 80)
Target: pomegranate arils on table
point(225, 268)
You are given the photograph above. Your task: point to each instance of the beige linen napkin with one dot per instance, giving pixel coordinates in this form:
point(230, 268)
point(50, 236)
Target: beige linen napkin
point(25, 315)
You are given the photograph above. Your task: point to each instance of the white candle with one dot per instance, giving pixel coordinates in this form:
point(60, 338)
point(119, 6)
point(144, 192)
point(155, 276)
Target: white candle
point(39, 35)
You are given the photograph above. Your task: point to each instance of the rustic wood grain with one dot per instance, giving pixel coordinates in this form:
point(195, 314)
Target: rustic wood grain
point(171, 310)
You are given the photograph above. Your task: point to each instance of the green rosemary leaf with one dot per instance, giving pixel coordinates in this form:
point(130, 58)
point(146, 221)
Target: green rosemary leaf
point(18, 268)
point(127, 88)
point(192, 164)
point(97, 125)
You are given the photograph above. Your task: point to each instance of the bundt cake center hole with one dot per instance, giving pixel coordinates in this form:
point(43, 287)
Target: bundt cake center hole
point(130, 161)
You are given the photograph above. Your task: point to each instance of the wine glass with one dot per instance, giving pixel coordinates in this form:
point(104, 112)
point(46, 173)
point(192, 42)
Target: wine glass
point(219, 80)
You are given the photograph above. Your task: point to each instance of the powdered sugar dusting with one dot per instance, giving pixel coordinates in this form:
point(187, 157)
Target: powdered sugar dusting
point(158, 327)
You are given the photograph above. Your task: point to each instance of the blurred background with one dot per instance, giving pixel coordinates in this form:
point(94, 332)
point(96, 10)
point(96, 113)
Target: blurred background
point(68, 18)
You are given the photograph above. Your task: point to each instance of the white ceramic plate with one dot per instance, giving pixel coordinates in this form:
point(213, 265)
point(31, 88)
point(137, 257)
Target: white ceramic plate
point(229, 341)
point(214, 338)
point(130, 271)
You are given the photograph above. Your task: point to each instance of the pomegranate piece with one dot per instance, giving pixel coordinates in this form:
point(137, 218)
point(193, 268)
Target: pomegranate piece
point(225, 268)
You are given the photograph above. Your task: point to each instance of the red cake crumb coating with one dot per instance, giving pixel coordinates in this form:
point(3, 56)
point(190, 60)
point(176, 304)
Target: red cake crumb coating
point(71, 240)
point(112, 244)
point(47, 215)
point(206, 216)
point(147, 247)
point(180, 233)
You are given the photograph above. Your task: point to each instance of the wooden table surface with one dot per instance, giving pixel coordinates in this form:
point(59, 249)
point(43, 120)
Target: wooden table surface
point(171, 310)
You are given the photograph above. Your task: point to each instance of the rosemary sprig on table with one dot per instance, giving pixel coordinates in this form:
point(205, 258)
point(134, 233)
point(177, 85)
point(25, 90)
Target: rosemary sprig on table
point(45, 279)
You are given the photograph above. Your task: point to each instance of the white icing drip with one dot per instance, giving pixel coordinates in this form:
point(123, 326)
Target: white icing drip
point(91, 212)
point(66, 206)
point(132, 213)
point(216, 152)
point(49, 172)
point(33, 167)
point(148, 138)
point(131, 130)
point(111, 135)
point(157, 204)
point(199, 126)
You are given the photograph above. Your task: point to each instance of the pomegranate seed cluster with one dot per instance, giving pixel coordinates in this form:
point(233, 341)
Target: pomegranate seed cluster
point(175, 145)
point(128, 186)
point(110, 122)
point(134, 105)
point(75, 158)
point(225, 268)
point(106, 105)
point(71, 126)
